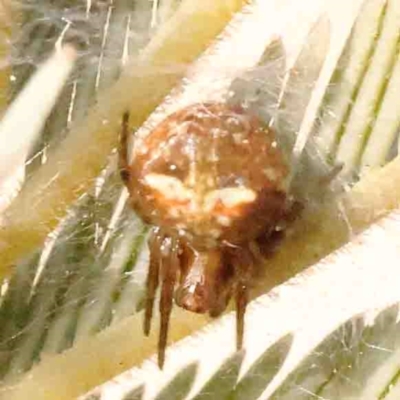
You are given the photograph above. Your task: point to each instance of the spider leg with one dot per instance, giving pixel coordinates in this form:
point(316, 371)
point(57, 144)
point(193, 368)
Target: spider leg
point(123, 162)
point(169, 269)
point(155, 241)
point(244, 267)
point(241, 298)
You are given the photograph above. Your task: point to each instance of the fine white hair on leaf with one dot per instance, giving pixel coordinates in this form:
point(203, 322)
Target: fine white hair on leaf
point(101, 295)
point(35, 102)
point(329, 66)
point(352, 70)
point(320, 306)
point(367, 103)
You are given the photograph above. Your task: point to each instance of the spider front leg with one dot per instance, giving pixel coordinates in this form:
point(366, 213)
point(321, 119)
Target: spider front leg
point(241, 299)
point(164, 264)
point(155, 242)
point(169, 270)
point(123, 159)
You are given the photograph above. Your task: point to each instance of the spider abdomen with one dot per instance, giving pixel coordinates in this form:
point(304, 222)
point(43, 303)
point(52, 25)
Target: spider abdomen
point(210, 172)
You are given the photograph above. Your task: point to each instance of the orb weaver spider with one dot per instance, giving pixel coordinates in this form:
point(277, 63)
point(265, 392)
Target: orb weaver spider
point(212, 182)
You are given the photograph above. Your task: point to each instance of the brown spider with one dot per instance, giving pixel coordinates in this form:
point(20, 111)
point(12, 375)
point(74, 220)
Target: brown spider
point(211, 180)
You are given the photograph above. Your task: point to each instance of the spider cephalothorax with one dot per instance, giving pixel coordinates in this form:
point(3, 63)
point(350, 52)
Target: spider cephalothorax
point(211, 179)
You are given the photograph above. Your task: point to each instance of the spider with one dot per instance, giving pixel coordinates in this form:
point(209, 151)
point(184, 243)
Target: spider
point(212, 182)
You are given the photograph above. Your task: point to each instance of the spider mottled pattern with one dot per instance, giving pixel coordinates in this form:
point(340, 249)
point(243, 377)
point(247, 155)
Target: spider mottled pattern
point(211, 180)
